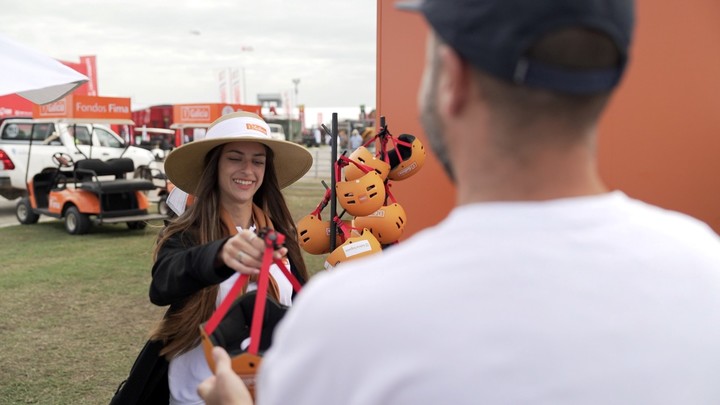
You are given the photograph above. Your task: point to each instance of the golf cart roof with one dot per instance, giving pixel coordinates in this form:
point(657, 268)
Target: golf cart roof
point(154, 130)
point(189, 125)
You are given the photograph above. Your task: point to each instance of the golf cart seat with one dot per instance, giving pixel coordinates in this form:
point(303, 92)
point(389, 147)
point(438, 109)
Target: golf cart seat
point(88, 172)
point(42, 184)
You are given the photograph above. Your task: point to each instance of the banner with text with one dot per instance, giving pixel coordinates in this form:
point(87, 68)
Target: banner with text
point(86, 107)
point(205, 114)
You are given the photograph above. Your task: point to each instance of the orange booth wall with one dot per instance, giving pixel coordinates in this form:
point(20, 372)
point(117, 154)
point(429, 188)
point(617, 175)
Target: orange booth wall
point(659, 140)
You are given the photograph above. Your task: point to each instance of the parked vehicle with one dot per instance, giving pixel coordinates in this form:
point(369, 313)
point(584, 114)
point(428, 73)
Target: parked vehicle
point(313, 136)
point(86, 192)
point(159, 141)
point(277, 131)
point(45, 137)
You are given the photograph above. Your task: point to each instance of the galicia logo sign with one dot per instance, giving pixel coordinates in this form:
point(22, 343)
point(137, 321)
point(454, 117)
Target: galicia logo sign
point(195, 112)
point(56, 108)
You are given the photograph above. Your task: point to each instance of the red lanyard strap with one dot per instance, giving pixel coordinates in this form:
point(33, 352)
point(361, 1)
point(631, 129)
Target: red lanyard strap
point(323, 203)
point(291, 277)
point(225, 305)
point(260, 298)
point(273, 241)
point(345, 161)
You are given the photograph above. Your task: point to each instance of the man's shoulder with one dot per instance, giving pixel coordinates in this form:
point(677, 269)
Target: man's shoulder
point(671, 223)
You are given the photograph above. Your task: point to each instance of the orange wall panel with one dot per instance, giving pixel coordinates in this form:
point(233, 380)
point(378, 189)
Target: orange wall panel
point(428, 195)
point(659, 140)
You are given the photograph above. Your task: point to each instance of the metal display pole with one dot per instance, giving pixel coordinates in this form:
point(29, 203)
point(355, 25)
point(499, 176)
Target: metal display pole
point(333, 180)
point(383, 144)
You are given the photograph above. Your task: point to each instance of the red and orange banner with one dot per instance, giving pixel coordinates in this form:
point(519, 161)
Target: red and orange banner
point(85, 107)
point(207, 113)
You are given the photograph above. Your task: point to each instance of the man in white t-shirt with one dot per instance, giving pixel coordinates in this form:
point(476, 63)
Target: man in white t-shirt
point(542, 286)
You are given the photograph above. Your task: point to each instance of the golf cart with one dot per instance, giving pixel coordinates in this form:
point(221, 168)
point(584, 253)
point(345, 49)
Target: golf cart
point(159, 141)
point(89, 191)
point(85, 190)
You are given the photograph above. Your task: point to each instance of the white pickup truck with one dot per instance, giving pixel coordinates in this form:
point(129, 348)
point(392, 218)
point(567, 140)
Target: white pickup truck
point(81, 140)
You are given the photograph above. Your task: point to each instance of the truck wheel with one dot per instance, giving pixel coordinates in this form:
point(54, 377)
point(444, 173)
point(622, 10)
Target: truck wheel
point(24, 212)
point(76, 223)
point(136, 224)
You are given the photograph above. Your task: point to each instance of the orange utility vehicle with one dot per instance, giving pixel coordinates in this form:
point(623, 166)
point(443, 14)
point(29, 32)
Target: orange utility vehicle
point(87, 191)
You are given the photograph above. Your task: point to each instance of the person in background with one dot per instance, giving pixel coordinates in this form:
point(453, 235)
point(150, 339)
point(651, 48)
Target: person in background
point(236, 171)
point(542, 286)
point(318, 136)
point(343, 139)
point(356, 140)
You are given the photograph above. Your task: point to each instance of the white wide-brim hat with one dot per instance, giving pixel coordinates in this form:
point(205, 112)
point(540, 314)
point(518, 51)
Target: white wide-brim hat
point(184, 165)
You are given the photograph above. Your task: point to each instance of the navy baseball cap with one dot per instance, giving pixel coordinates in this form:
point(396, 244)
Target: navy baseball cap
point(495, 36)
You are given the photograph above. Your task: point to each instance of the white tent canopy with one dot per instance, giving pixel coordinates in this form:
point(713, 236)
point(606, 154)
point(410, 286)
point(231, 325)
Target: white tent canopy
point(34, 76)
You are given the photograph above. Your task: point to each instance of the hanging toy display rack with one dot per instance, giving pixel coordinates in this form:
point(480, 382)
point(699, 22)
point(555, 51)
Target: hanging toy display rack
point(406, 157)
point(361, 184)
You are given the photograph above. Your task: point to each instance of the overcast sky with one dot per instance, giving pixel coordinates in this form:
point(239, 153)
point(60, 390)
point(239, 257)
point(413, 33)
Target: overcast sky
point(171, 51)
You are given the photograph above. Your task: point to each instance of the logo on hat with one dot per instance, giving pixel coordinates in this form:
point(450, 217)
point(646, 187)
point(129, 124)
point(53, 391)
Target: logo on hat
point(256, 127)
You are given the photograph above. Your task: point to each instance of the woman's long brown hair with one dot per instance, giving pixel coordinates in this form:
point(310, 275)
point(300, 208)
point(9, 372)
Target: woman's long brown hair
point(201, 223)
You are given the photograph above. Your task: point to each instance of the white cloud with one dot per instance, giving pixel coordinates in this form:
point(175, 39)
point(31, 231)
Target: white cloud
point(162, 51)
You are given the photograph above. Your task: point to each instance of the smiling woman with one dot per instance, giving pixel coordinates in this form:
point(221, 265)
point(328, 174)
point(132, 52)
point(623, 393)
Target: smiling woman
point(241, 170)
point(236, 174)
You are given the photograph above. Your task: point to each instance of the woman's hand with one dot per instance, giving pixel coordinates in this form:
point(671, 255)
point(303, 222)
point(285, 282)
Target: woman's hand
point(244, 251)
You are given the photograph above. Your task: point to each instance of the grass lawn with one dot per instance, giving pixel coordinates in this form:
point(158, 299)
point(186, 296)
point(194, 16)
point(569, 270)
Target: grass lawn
point(75, 310)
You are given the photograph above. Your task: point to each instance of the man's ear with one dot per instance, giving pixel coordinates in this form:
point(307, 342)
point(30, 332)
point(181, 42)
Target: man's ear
point(454, 83)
